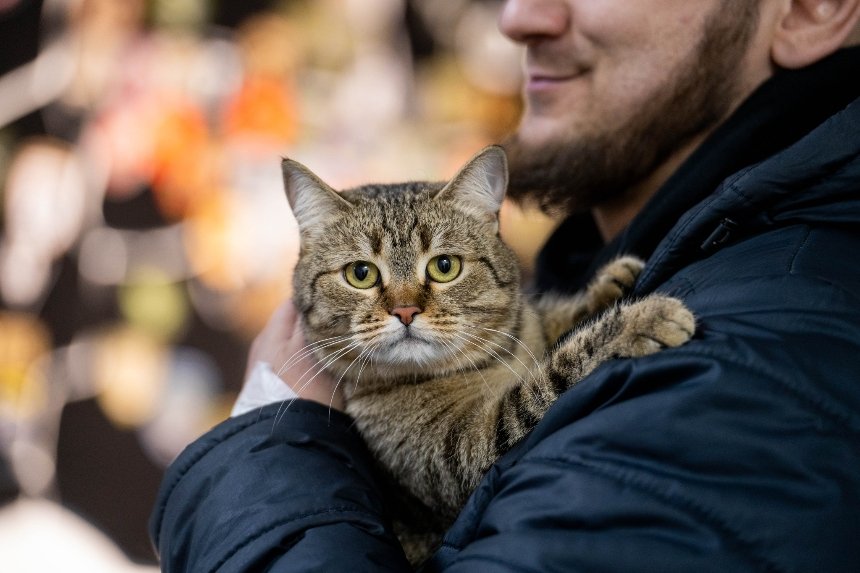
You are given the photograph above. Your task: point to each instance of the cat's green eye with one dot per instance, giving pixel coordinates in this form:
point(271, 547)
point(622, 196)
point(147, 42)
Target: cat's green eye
point(444, 268)
point(361, 274)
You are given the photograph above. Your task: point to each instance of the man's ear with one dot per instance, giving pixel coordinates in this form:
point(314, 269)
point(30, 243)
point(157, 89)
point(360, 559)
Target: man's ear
point(812, 29)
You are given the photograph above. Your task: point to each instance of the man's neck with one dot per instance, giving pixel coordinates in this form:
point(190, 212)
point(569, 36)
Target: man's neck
point(612, 217)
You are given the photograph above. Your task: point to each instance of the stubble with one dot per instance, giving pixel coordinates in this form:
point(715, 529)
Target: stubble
point(581, 172)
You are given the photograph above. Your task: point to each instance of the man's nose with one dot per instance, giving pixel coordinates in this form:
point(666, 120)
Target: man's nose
point(527, 21)
point(406, 313)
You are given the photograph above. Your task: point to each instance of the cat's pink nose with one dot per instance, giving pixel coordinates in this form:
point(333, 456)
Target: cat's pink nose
point(406, 313)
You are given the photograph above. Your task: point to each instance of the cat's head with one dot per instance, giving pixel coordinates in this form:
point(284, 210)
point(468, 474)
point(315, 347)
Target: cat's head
point(408, 278)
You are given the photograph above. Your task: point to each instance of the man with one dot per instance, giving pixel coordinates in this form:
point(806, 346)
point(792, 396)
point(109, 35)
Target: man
point(720, 139)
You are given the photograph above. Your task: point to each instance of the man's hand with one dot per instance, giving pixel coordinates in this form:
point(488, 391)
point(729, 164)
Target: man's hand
point(280, 350)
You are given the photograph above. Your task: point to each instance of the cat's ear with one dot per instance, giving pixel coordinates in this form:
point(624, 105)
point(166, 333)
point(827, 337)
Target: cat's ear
point(480, 185)
point(314, 203)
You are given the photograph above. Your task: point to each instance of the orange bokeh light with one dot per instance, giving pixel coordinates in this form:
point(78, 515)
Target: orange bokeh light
point(264, 109)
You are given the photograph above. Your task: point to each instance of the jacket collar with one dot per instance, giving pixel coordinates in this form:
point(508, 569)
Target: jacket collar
point(813, 181)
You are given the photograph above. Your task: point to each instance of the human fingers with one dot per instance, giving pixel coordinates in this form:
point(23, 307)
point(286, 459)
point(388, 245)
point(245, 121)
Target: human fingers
point(282, 346)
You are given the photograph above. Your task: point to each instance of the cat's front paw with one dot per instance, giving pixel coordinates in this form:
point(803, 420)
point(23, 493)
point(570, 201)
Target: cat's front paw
point(613, 281)
point(654, 323)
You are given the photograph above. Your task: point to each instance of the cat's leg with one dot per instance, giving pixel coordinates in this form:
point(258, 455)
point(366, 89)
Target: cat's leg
point(627, 330)
point(560, 314)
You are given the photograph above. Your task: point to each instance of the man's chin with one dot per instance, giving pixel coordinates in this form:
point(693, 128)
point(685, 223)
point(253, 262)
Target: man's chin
point(539, 131)
point(538, 169)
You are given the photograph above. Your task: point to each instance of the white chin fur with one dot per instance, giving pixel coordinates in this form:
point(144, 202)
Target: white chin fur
point(410, 351)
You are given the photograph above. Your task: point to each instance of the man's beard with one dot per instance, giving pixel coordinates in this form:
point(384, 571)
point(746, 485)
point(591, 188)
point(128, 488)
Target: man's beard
point(583, 171)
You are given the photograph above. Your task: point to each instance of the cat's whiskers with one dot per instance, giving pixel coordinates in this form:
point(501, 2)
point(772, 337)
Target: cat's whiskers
point(308, 349)
point(489, 351)
point(535, 374)
point(485, 342)
point(371, 348)
point(455, 350)
point(320, 367)
point(326, 363)
point(452, 351)
point(522, 344)
point(502, 347)
point(295, 359)
point(367, 359)
point(365, 350)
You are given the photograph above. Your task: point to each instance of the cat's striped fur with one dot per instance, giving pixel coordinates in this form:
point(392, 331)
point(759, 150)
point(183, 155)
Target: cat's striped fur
point(440, 392)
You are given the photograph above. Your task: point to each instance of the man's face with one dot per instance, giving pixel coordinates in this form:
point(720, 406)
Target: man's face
point(613, 88)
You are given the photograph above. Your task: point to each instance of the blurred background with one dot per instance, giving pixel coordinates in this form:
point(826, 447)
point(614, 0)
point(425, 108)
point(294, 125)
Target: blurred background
point(145, 234)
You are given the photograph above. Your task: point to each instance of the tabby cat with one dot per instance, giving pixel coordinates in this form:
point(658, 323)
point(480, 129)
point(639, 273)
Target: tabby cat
point(409, 297)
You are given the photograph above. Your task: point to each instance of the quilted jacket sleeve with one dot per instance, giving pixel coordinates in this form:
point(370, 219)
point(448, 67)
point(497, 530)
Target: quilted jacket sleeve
point(277, 489)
